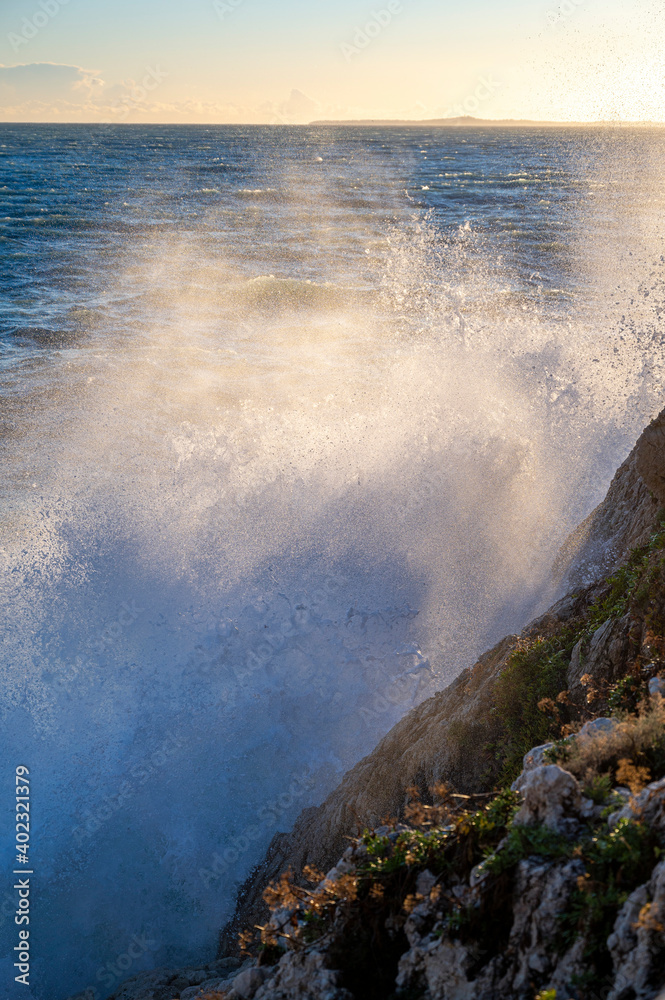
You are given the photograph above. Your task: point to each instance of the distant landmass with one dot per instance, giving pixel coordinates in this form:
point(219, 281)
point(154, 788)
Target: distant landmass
point(467, 121)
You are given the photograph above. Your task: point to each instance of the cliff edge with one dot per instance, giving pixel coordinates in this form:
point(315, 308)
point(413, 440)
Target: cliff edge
point(451, 737)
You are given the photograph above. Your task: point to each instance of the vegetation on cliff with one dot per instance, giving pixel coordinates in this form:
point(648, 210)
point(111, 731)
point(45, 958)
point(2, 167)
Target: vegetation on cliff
point(358, 913)
point(454, 861)
point(532, 703)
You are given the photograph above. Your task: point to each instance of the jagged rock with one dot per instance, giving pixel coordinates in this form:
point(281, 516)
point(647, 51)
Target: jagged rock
point(576, 669)
point(160, 984)
point(447, 969)
point(439, 964)
point(605, 659)
point(551, 798)
point(205, 987)
point(536, 757)
point(303, 976)
point(650, 456)
point(596, 727)
point(637, 944)
point(541, 893)
point(247, 983)
point(425, 883)
point(648, 806)
point(623, 521)
point(169, 984)
point(657, 687)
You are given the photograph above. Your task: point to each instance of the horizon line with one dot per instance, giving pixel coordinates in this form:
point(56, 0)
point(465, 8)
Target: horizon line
point(466, 121)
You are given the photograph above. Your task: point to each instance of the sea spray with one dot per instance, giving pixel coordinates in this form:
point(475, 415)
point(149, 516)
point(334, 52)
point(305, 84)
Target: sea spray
point(304, 461)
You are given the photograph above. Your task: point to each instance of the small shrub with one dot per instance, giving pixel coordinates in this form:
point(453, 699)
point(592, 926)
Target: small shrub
point(526, 697)
point(599, 789)
point(616, 863)
point(639, 739)
point(626, 695)
point(636, 778)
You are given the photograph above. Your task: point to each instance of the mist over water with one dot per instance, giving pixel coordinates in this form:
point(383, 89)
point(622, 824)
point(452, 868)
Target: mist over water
point(294, 422)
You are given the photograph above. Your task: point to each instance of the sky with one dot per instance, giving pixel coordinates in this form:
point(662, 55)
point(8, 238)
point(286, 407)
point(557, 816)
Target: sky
point(294, 61)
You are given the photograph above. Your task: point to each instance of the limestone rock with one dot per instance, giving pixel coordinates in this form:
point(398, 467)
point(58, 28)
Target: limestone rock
point(576, 669)
point(160, 984)
point(541, 893)
point(208, 986)
point(605, 659)
point(447, 969)
point(624, 520)
point(551, 797)
point(167, 984)
point(648, 806)
point(536, 757)
point(590, 730)
point(302, 976)
point(637, 944)
point(650, 456)
point(657, 687)
point(247, 983)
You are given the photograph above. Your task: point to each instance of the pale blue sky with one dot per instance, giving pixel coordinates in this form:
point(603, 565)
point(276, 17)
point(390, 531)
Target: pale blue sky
point(292, 60)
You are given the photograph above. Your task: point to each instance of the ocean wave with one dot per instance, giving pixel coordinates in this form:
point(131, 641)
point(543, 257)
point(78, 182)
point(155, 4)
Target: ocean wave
point(271, 294)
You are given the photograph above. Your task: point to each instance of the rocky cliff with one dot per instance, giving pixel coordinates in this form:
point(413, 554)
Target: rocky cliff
point(451, 736)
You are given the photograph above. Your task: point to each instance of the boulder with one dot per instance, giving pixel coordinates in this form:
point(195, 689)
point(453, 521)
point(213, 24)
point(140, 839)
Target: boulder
point(302, 976)
point(247, 983)
point(657, 687)
point(551, 797)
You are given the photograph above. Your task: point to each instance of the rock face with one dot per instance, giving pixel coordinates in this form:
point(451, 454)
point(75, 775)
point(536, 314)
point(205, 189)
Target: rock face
point(650, 457)
point(625, 518)
point(443, 968)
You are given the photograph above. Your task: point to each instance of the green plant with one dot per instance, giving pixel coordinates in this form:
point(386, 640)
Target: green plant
point(599, 789)
point(535, 673)
point(527, 841)
point(615, 863)
point(626, 694)
point(560, 751)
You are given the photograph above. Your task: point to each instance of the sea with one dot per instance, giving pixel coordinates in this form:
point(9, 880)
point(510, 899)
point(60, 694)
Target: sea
point(293, 422)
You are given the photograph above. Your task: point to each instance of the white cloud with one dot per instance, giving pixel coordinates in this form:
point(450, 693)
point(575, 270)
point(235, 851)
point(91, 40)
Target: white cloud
point(33, 90)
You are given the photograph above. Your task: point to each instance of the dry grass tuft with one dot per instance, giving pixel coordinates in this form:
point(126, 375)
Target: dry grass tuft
point(626, 750)
point(635, 778)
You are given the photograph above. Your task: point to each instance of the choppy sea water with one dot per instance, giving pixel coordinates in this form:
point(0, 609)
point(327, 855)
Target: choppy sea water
point(292, 423)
